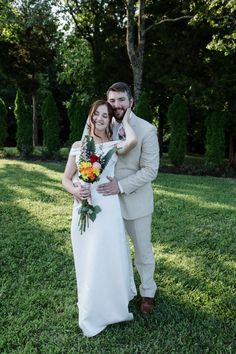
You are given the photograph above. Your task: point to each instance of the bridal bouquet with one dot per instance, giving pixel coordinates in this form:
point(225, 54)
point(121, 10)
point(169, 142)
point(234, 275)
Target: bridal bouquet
point(90, 167)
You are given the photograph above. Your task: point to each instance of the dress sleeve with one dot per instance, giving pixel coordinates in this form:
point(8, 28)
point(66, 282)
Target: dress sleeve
point(74, 151)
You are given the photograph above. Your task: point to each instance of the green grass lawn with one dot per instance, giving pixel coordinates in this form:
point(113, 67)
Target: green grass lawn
point(194, 231)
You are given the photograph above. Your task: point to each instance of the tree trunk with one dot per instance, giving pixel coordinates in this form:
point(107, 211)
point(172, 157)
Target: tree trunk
point(137, 79)
point(136, 51)
point(136, 44)
point(35, 120)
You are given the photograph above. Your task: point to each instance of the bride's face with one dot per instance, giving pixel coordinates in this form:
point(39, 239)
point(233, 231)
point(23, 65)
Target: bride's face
point(101, 118)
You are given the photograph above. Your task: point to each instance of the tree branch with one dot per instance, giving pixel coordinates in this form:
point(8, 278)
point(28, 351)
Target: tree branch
point(167, 20)
point(78, 28)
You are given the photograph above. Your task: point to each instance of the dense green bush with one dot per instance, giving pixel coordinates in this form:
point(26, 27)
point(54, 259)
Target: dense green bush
point(50, 116)
point(77, 116)
point(24, 140)
point(3, 123)
point(178, 117)
point(215, 139)
point(143, 109)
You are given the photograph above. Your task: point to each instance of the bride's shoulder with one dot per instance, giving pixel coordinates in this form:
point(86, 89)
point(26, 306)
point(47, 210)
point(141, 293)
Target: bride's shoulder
point(75, 148)
point(76, 145)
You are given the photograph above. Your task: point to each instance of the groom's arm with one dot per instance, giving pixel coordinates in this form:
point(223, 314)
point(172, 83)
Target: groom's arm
point(149, 164)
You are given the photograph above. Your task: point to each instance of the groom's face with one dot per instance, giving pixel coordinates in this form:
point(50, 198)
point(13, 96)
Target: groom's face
point(120, 102)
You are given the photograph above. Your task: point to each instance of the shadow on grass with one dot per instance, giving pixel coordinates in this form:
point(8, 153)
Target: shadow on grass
point(38, 183)
point(38, 295)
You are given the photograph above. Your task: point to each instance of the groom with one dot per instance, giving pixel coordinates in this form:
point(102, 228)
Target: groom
point(133, 175)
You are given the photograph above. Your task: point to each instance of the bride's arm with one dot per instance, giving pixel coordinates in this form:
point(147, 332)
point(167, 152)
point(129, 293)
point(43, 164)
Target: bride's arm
point(131, 140)
point(77, 190)
point(68, 174)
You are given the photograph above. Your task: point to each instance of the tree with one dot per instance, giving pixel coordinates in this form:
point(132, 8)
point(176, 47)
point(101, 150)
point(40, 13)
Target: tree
point(143, 109)
point(136, 17)
point(77, 116)
point(215, 139)
point(220, 16)
point(27, 42)
point(24, 141)
point(178, 117)
point(136, 51)
point(50, 118)
point(77, 66)
point(3, 123)
point(101, 25)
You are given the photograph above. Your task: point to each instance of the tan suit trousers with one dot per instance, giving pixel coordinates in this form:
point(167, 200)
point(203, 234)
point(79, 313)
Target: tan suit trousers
point(139, 231)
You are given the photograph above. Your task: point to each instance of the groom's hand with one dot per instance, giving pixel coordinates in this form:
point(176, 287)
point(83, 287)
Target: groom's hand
point(109, 188)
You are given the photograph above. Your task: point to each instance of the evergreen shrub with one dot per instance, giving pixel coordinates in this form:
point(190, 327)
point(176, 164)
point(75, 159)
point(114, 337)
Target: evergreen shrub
point(77, 116)
point(215, 140)
point(24, 139)
point(50, 117)
point(3, 123)
point(143, 108)
point(178, 117)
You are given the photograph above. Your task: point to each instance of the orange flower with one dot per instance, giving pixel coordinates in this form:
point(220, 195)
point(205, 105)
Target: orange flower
point(87, 173)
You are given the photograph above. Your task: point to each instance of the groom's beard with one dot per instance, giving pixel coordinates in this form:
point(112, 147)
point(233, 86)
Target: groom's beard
point(119, 114)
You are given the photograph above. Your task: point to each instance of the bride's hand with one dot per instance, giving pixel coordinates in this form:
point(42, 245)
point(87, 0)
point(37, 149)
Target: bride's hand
point(81, 192)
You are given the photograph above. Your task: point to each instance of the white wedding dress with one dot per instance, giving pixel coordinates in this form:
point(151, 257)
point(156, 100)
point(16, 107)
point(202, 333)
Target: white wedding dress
point(104, 273)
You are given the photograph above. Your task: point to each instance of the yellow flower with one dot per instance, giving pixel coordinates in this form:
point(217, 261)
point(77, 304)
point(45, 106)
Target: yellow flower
point(96, 171)
point(85, 165)
point(84, 175)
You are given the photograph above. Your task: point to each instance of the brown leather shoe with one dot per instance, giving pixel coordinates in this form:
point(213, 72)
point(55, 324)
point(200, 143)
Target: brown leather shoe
point(146, 305)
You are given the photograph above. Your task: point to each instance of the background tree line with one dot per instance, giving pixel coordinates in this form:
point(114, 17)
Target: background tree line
point(168, 51)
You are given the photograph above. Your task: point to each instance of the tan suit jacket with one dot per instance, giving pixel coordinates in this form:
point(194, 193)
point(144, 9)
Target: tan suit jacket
point(137, 169)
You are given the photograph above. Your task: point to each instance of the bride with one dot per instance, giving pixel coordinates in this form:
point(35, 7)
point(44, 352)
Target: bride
point(104, 273)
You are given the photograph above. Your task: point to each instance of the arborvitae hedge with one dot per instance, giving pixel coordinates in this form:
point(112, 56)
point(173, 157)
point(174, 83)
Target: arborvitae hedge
point(24, 140)
point(3, 123)
point(178, 117)
point(143, 109)
point(77, 117)
point(50, 117)
point(215, 139)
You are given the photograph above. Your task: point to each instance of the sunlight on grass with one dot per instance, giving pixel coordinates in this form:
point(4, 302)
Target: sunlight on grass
point(197, 200)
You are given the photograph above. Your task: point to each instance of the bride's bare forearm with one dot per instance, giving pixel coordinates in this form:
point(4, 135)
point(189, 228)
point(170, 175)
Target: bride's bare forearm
point(68, 185)
point(130, 142)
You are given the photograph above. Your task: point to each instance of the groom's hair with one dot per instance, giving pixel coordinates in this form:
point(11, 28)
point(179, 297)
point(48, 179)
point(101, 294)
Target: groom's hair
point(120, 87)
